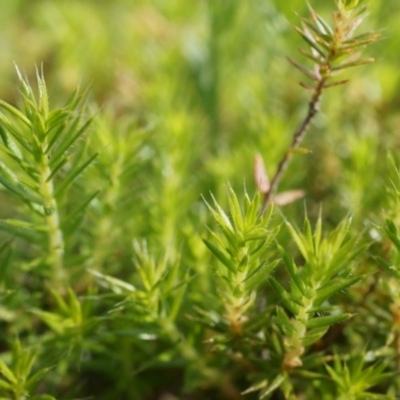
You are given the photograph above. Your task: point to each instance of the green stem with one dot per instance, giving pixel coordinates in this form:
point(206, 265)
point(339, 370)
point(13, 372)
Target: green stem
point(295, 344)
point(52, 218)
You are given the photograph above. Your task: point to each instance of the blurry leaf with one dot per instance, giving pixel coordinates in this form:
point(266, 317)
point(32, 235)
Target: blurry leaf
point(7, 372)
point(315, 334)
point(256, 387)
point(220, 255)
point(334, 286)
point(74, 174)
point(353, 64)
point(313, 46)
point(259, 275)
point(275, 384)
point(294, 272)
point(16, 113)
point(310, 74)
point(285, 297)
point(236, 212)
point(327, 321)
point(116, 285)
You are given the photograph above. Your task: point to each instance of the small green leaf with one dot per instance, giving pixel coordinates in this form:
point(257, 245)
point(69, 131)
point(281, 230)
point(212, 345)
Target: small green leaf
point(236, 212)
point(61, 302)
point(301, 242)
point(220, 255)
point(117, 285)
point(310, 74)
point(275, 384)
point(54, 321)
point(348, 4)
point(322, 23)
point(313, 335)
point(284, 322)
point(285, 297)
point(25, 225)
point(256, 387)
point(5, 385)
point(70, 218)
point(223, 221)
point(259, 275)
point(317, 28)
point(74, 174)
point(308, 236)
point(294, 272)
point(75, 307)
point(334, 286)
point(54, 171)
point(299, 150)
point(311, 43)
point(16, 113)
point(327, 321)
point(10, 181)
point(353, 64)
point(69, 141)
point(220, 216)
point(43, 96)
point(7, 372)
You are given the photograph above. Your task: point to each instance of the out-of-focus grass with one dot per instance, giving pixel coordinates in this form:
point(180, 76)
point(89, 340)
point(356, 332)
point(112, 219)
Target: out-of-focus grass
point(207, 85)
point(209, 82)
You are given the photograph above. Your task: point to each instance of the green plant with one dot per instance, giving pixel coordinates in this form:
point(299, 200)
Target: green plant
point(332, 49)
point(353, 381)
point(39, 170)
point(122, 277)
point(19, 380)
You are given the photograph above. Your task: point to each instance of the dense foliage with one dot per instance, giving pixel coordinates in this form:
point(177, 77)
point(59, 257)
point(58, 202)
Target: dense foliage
point(145, 253)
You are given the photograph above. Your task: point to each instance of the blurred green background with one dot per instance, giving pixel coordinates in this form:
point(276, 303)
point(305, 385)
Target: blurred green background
point(206, 85)
point(215, 72)
point(212, 76)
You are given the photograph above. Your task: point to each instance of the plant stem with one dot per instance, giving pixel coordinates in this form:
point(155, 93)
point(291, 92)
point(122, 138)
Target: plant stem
point(54, 232)
point(313, 108)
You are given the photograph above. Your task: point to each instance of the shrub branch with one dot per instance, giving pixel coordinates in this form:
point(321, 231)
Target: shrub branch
point(298, 137)
point(332, 50)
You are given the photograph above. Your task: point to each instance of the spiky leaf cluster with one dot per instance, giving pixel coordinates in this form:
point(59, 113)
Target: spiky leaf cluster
point(243, 248)
point(335, 47)
point(39, 164)
point(353, 380)
point(326, 271)
point(19, 379)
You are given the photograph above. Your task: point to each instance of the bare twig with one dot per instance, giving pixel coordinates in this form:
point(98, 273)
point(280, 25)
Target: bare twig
point(327, 46)
point(298, 136)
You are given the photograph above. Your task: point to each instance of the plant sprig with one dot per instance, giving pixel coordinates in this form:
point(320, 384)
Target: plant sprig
point(332, 49)
point(39, 166)
point(243, 247)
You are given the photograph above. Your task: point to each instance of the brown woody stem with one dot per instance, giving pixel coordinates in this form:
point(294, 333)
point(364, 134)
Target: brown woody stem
point(313, 108)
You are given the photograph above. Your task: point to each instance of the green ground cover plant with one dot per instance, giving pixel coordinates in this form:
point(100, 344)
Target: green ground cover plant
point(144, 251)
